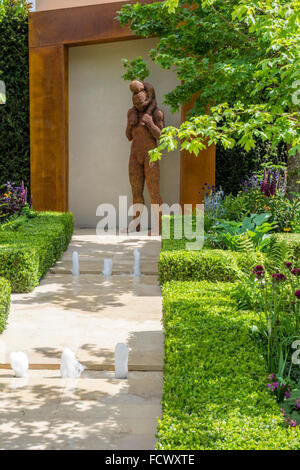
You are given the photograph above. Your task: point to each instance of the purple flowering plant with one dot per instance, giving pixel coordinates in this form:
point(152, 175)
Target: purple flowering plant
point(279, 387)
point(266, 191)
point(213, 204)
point(279, 307)
point(13, 199)
point(290, 408)
point(275, 297)
point(273, 182)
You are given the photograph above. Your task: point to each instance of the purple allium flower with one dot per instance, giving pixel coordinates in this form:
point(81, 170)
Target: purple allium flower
point(288, 264)
point(278, 277)
point(258, 268)
point(296, 271)
point(297, 294)
point(287, 394)
point(298, 404)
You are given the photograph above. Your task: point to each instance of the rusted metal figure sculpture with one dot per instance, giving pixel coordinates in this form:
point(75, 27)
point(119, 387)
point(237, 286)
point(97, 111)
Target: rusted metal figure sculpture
point(144, 124)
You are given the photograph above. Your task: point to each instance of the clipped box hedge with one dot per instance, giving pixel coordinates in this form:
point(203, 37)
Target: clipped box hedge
point(210, 265)
point(4, 302)
point(30, 246)
point(215, 394)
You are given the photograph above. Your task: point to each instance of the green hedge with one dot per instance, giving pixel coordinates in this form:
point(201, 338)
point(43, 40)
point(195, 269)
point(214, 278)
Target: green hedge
point(210, 265)
point(215, 394)
point(14, 115)
point(30, 246)
point(4, 302)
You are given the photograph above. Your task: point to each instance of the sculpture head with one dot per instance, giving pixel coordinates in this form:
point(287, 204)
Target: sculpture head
point(140, 97)
point(136, 86)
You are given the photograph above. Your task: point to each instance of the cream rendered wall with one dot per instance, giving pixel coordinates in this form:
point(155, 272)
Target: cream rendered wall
point(56, 4)
point(99, 151)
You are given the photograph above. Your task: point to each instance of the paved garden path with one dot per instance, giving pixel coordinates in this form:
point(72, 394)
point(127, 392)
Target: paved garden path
point(89, 314)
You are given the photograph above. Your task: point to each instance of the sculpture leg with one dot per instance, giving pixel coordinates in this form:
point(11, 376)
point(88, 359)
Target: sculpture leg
point(137, 182)
point(152, 175)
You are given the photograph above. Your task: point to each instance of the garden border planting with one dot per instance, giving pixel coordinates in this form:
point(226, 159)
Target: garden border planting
point(287, 241)
point(176, 263)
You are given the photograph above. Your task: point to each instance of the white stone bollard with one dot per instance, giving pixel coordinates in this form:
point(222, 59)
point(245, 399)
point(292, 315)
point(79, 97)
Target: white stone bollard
point(121, 361)
point(108, 266)
point(75, 264)
point(137, 263)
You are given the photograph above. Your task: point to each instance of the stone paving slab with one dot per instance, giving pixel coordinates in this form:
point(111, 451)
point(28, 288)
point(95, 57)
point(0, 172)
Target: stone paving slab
point(92, 250)
point(89, 314)
point(96, 411)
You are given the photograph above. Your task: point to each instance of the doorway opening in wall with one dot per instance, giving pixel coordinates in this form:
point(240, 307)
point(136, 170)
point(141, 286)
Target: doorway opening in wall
point(98, 149)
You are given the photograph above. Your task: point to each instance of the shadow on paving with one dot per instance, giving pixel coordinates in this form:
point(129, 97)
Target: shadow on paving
point(146, 349)
point(88, 293)
point(88, 413)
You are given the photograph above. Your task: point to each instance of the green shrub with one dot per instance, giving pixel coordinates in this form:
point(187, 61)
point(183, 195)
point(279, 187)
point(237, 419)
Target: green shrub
point(215, 394)
point(4, 302)
point(30, 246)
point(210, 265)
point(14, 115)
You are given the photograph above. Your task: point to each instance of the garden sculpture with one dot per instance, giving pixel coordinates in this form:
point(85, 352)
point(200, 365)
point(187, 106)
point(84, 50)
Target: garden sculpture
point(144, 124)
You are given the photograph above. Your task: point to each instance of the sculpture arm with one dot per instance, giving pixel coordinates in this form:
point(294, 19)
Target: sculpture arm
point(132, 120)
point(129, 132)
point(156, 124)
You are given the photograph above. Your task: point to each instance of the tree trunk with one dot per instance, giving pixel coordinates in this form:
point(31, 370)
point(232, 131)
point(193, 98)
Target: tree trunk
point(293, 172)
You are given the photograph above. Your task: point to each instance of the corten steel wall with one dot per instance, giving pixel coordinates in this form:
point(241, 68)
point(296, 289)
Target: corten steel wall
point(195, 171)
point(51, 34)
point(98, 148)
point(55, 4)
